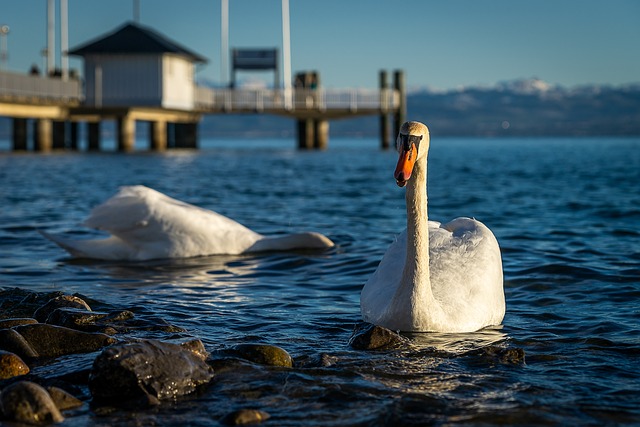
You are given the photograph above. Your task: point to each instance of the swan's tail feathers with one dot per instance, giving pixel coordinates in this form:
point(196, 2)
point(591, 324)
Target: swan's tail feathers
point(308, 240)
point(109, 248)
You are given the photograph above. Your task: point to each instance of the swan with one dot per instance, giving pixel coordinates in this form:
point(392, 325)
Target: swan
point(145, 224)
point(433, 277)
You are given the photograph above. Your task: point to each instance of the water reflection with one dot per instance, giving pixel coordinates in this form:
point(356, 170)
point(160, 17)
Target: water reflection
point(457, 344)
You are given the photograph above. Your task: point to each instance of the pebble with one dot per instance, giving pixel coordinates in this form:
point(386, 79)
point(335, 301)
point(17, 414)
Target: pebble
point(10, 323)
point(264, 354)
point(11, 340)
point(146, 371)
point(11, 365)
point(27, 402)
point(42, 314)
point(62, 399)
point(53, 341)
point(367, 336)
point(245, 416)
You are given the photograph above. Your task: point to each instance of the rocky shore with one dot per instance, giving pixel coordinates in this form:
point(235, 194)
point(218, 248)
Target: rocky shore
point(60, 354)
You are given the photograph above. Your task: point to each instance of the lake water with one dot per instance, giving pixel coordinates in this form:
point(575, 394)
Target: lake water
point(566, 213)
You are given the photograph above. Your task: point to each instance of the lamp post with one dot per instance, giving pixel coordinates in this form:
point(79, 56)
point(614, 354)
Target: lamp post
point(4, 53)
point(286, 56)
point(224, 41)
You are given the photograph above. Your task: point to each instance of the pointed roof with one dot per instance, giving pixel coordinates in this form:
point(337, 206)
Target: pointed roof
point(134, 38)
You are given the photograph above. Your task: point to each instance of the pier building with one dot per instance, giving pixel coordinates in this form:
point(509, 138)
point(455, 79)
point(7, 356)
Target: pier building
point(135, 75)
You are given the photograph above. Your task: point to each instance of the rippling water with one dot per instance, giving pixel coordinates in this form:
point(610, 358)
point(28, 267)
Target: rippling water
point(566, 213)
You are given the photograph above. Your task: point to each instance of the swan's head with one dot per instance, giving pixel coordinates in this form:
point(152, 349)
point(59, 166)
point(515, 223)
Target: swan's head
point(412, 144)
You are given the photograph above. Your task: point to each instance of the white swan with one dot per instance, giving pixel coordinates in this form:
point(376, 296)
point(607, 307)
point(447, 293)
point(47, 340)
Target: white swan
point(434, 278)
point(146, 224)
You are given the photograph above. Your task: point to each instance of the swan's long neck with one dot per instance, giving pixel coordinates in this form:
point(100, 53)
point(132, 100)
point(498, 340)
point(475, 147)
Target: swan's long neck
point(415, 289)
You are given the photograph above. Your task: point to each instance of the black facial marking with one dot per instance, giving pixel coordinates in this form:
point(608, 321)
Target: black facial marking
point(407, 140)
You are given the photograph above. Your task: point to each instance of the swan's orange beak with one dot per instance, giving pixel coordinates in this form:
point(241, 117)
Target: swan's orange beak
point(405, 165)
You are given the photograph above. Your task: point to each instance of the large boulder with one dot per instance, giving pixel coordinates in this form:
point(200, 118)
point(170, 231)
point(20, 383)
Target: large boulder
point(146, 372)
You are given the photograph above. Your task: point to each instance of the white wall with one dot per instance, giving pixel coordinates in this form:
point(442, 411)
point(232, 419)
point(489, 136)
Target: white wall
point(177, 88)
point(137, 80)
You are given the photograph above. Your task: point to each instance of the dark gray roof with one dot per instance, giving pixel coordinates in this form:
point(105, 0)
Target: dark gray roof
point(134, 38)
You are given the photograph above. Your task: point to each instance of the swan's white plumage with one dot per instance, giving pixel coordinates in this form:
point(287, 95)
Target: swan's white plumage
point(146, 224)
point(461, 288)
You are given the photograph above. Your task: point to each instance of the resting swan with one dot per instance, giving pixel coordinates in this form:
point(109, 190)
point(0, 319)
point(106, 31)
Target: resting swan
point(146, 224)
point(433, 278)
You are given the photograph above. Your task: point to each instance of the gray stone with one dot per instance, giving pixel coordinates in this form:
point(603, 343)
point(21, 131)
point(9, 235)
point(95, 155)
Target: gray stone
point(11, 365)
point(54, 341)
point(245, 417)
point(27, 402)
point(62, 399)
point(263, 354)
point(42, 314)
point(367, 336)
point(146, 370)
point(11, 340)
point(10, 323)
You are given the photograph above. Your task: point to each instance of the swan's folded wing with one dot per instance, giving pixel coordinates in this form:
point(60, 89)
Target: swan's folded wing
point(466, 266)
point(160, 226)
point(127, 210)
point(378, 291)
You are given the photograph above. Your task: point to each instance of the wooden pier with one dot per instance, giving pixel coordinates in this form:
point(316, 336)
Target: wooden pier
point(135, 74)
point(57, 107)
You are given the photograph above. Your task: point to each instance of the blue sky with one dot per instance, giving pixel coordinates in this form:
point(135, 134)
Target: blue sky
point(440, 44)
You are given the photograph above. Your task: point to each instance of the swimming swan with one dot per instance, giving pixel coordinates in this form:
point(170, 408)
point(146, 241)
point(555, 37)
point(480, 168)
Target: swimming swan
point(146, 224)
point(433, 278)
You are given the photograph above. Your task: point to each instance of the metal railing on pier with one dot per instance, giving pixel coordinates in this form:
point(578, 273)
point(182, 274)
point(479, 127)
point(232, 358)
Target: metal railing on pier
point(15, 86)
point(349, 101)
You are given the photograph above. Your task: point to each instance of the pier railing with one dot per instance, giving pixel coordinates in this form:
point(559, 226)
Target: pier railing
point(347, 101)
point(17, 86)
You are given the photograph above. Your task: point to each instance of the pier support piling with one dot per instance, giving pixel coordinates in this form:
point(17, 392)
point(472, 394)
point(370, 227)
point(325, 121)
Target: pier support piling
point(321, 133)
point(385, 139)
point(43, 135)
point(93, 136)
point(306, 135)
point(158, 135)
point(400, 115)
point(126, 133)
point(73, 135)
point(59, 135)
point(19, 134)
point(186, 135)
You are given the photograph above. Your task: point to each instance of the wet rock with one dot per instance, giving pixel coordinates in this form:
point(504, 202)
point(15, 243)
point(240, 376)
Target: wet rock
point(54, 341)
point(12, 341)
point(62, 399)
point(146, 371)
point(197, 348)
point(27, 402)
point(42, 314)
point(245, 416)
point(10, 323)
point(76, 318)
point(263, 354)
point(16, 302)
point(11, 365)
point(322, 360)
point(367, 336)
point(507, 356)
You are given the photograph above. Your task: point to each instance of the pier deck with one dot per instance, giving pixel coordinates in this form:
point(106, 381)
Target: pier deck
point(55, 105)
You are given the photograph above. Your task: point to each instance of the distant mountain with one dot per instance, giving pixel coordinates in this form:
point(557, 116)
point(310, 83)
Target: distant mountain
point(528, 107)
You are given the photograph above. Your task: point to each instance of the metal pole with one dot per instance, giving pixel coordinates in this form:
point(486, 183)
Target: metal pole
point(64, 40)
point(4, 51)
point(224, 41)
point(136, 11)
point(51, 36)
point(286, 56)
